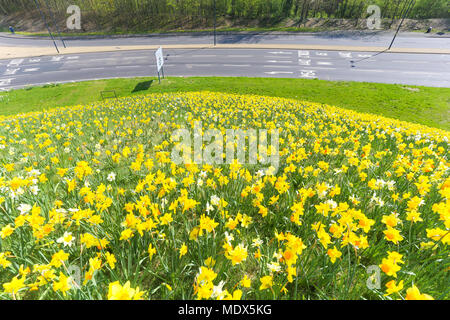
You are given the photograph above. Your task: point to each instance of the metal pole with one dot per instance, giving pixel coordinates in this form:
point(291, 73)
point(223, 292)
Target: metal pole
point(54, 22)
point(411, 4)
point(46, 24)
point(215, 41)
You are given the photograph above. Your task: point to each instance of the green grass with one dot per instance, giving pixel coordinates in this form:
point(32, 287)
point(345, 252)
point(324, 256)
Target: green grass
point(219, 30)
point(424, 105)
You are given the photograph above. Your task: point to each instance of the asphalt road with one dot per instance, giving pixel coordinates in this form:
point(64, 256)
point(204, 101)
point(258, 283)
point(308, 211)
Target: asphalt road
point(408, 69)
point(337, 38)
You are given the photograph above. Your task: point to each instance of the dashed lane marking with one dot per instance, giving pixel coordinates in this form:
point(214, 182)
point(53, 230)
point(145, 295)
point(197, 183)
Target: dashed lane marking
point(279, 72)
point(324, 63)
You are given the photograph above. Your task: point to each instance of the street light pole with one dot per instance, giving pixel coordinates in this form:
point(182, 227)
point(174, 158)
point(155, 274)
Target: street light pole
point(55, 23)
point(46, 24)
point(408, 8)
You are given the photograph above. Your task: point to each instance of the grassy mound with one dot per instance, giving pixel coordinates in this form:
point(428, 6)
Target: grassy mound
point(93, 207)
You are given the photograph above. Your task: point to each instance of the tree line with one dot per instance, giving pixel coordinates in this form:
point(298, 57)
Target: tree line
point(159, 14)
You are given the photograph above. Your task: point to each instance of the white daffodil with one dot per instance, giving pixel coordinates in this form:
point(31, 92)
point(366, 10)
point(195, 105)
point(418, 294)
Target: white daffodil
point(67, 239)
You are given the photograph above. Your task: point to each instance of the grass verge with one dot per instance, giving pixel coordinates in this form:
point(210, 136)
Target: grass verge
point(424, 105)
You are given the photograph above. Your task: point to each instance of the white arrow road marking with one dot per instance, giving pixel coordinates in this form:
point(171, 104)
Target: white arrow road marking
point(34, 60)
point(303, 53)
point(15, 62)
point(31, 70)
point(56, 59)
point(322, 54)
point(280, 52)
point(10, 72)
point(307, 73)
point(304, 62)
point(324, 63)
point(345, 54)
point(6, 82)
point(279, 72)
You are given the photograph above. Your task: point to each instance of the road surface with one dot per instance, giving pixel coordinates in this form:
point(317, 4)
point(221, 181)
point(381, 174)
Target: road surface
point(399, 68)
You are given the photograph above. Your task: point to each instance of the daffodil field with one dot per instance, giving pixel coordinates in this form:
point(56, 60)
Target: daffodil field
point(92, 207)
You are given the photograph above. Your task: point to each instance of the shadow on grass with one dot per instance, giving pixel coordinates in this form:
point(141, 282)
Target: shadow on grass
point(142, 86)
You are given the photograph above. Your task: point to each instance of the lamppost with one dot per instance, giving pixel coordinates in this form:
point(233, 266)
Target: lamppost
point(46, 24)
point(55, 23)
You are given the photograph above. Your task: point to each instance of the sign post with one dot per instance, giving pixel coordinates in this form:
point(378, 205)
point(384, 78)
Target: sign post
point(159, 63)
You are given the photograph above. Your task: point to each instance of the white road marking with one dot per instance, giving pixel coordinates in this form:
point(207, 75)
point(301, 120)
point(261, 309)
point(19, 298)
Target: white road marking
point(280, 52)
point(321, 54)
point(34, 60)
point(319, 68)
point(324, 63)
point(406, 61)
point(56, 71)
point(307, 73)
point(276, 66)
point(88, 69)
point(345, 54)
point(132, 58)
point(56, 59)
point(279, 72)
point(15, 62)
point(198, 65)
point(31, 70)
point(104, 59)
point(240, 55)
point(5, 82)
point(128, 67)
point(237, 65)
point(368, 70)
point(277, 57)
point(73, 58)
point(10, 72)
point(303, 53)
point(364, 55)
point(423, 73)
point(304, 62)
point(278, 61)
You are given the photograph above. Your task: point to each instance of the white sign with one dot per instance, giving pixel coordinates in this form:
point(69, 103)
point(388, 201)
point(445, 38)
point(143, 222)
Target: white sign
point(159, 58)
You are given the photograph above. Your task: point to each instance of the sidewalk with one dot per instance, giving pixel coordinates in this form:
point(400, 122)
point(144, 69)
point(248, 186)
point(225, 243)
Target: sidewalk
point(7, 52)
